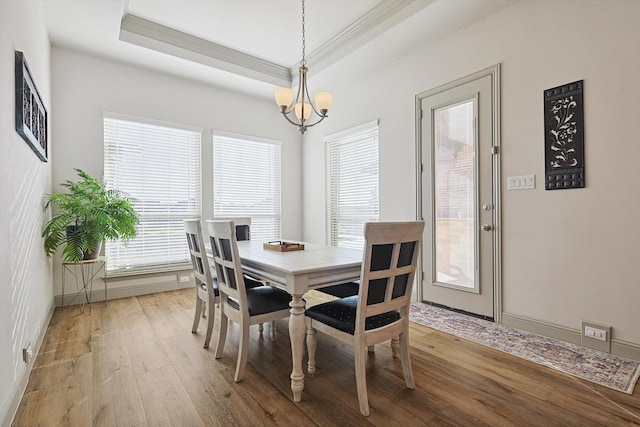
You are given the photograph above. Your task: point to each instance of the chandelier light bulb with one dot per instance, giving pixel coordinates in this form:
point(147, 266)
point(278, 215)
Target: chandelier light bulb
point(307, 110)
point(324, 100)
point(284, 97)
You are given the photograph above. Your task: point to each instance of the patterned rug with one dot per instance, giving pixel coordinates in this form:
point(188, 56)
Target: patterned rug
point(601, 368)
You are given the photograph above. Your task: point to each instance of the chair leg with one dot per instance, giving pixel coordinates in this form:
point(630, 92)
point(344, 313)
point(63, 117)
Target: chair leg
point(243, 350)
point(361, 380)
point(272, 330)
point(312, 343)
point(395, 346)
point(212, 316)
point(222, 335)
point(406, 360)
point(204, 309)
point(196, 319)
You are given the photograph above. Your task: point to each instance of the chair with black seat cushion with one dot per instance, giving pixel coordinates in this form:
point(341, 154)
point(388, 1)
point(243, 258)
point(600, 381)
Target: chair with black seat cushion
point(380, 311)
point(239, 303)
point(206, 285)
point(243, 232)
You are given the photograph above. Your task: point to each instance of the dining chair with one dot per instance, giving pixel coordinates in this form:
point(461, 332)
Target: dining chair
point(243, 232)
point(207, 293)
point(206, 285)
point(239, 303)
point(380, 311)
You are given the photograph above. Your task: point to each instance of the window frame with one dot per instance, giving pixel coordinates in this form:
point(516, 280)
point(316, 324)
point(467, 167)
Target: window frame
point(178, 216)
point(219, 136)
point(332, 142)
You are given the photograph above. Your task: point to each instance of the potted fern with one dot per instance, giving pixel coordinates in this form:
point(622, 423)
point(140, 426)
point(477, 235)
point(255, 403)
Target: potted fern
point(87, 215)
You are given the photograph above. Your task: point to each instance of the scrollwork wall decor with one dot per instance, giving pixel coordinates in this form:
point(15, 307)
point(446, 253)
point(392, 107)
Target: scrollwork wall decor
point(31, 116)
point(564, 136)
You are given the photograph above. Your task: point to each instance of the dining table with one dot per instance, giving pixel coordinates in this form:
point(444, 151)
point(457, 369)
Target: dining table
point(297, 272)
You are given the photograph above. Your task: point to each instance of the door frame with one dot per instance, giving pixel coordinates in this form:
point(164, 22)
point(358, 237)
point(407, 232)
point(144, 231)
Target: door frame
point(494, 72)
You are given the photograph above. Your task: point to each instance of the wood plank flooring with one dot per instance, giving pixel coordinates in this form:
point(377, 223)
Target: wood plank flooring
point(135, 362)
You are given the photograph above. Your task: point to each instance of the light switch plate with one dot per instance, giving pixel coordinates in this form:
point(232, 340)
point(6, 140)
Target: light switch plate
point(522, 182)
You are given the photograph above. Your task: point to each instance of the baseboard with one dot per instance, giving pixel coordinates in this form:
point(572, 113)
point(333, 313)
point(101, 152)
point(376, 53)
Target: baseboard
point(20, 386)
point(625, 349)
point(129, 291)
point(619, 347)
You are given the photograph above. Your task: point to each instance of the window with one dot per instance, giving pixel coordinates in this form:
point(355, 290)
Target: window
point(159, 165)
point(352, 184)
point(246, 182)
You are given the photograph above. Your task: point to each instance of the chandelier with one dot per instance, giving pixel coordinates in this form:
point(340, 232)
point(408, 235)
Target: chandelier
point(302, 106)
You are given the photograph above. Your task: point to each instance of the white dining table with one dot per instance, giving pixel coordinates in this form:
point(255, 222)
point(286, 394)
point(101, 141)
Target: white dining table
point(297, 272)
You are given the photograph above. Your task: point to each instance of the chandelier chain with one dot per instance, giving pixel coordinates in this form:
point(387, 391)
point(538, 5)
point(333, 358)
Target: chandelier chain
point(304, 61)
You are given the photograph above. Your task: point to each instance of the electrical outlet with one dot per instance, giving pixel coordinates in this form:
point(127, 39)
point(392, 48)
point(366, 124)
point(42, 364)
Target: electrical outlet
point(27, 353)
point(596, 336)
point(184, 279)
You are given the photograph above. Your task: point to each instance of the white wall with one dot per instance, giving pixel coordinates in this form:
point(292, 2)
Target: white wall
point(83, 87)
point(568, 255)
point(26, 299)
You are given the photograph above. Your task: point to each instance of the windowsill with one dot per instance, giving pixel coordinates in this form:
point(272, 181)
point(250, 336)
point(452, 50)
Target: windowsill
point(124, 274)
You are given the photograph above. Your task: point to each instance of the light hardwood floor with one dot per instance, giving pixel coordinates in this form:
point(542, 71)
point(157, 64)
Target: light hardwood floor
point(135, 362)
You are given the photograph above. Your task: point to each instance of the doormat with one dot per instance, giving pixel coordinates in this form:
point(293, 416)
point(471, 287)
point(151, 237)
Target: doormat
point(596, 366)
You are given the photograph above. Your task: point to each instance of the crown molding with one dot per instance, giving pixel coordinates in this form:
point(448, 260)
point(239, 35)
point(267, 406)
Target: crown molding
point(373, 23)
point(151, 35)
point(145, 33)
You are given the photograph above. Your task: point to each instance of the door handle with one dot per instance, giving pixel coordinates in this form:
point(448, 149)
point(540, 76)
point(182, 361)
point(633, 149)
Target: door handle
point(486, 227)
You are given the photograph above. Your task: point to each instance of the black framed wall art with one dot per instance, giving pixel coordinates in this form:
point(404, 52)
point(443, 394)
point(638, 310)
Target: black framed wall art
point(31, 116)
point(564, 136)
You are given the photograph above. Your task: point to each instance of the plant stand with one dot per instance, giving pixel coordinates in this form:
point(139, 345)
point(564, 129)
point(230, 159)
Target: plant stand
point(84, 272)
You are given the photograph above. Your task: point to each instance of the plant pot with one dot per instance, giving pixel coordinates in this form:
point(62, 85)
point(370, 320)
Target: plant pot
point(95, 253)
point(72, 232)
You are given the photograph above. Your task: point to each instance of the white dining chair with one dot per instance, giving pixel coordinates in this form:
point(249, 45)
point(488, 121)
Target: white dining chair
point(206, 285)
point(239, 303)
point(380, 311)
point(207, 294)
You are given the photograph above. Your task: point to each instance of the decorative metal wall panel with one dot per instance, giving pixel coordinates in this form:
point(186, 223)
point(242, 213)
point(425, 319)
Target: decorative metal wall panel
point(31, 116)
point(564, 137)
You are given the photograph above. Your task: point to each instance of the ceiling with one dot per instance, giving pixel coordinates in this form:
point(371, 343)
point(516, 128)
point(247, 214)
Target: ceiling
point(254, 46)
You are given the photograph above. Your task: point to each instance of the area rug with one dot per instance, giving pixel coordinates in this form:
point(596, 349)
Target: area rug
point(601, 368)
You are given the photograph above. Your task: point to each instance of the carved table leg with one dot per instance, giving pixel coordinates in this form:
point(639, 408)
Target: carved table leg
point(297, 332)
point(311, 350)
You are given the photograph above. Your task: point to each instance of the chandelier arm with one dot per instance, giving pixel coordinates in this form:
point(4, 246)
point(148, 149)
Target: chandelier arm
point(303, 91)
point(306, 89)
point(295, 123)
point(286, 116)
point(319, 120)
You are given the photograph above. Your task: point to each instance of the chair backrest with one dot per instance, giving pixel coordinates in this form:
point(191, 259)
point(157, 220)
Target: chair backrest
point(388, 268)
point(197, 251)
point(227, 261)
point(243, 226)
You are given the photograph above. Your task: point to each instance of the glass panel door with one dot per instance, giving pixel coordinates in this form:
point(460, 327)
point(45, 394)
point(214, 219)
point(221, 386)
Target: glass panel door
point(455, 194)
point(457, 199)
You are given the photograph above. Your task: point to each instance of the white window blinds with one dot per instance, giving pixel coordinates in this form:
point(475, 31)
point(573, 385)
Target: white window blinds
point(246, 182)
point(158, 165)
point(352, 184)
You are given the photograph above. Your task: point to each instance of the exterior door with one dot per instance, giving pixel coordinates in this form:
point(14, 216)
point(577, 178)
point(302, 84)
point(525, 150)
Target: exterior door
point(459, 192)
